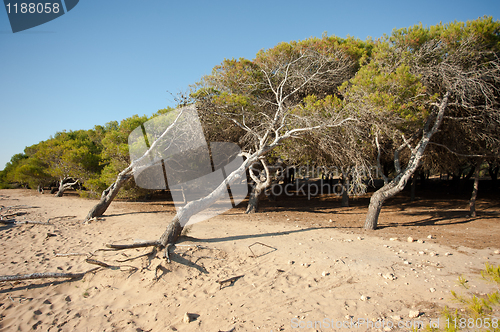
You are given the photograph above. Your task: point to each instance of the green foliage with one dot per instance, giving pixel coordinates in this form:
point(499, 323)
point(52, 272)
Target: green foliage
point(477, 309)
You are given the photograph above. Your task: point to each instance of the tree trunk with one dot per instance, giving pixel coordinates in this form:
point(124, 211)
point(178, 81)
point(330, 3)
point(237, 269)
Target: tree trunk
point(374, 209)
point(472, 203)
point(261, 183)
point(60, 191)
point(253, 201)
point(107, 196)
point(172, 233)
point(345, 190)
point(183, 215)
point(494, 176)
point(399, 182)
point(63, 186)
point(413, 187)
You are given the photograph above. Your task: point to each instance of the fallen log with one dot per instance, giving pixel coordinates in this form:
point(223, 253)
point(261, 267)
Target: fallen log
point(46, 275)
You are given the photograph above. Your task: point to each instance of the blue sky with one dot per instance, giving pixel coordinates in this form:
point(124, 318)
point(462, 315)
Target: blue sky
point(108, 60)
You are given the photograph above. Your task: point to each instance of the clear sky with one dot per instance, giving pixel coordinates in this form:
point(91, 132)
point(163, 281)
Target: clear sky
point(107, 60)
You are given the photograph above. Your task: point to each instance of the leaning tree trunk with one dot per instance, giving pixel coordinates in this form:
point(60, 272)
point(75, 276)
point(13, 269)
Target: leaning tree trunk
point(60, 191)
point(108, 195)
point(399, 182)
point(255, 195)
point(472, 202)
point(174, 229)
point(387, 191)
point(63, 186)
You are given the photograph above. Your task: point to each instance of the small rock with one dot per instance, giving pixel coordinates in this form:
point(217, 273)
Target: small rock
point(324, 274)
point(330, 220)
point(420, 241)
point(396, 317)
point(291, 262)
point(364, 298)
point(360, 238)
point(421, 253)
point(432, 290)
point(389, 276)
point(186, 318)
point(496, 252)
point(387, 329)
point(433, 254)
point(406, 262)
point(393, 239)
point(413, 314)
point(409, 239)
point(430, 237)
point(448, 254)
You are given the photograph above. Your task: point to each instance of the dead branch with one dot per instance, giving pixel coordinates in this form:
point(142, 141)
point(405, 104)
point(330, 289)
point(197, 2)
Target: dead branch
point(230, 280)
point(24, 222)
point(19, 277)
point(134, 245)
point(96, 262)
point(106, 265)
point(152, 252)
point(15, 214)
point(71, 254)
point(90, 254)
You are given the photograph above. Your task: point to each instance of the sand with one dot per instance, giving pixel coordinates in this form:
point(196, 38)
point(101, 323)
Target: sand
point(297, 271)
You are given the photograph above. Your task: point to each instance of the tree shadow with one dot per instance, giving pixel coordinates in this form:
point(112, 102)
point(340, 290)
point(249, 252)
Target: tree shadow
point(441, 218)
point(174, 257)
point(250, 236)
point(38, 285)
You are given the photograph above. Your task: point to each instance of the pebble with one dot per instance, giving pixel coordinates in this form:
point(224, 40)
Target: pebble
point(413, 314)
point(389, 276)
point(421, 253)
point(433, 254)
point(393, 239)
point(448, 254)
point(496, 252)
point(430, 237)
point(324, 274)
point(409, 239)
point(291, 262)
point(420, 241)
point(396, 317)
point(186, 318)
point(432, 290)
point(364, 298)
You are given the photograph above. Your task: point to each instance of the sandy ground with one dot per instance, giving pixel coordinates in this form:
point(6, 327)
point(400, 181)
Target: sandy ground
point(302, 270)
